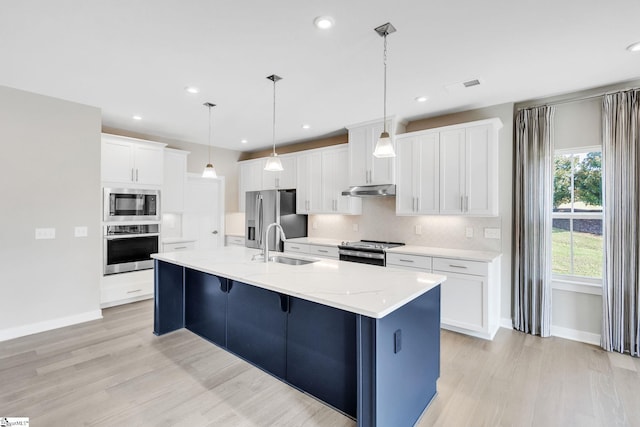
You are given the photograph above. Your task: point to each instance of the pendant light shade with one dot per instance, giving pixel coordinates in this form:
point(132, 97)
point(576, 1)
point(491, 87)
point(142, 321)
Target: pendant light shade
point(209, 170)
point(384, 146)
point(273, 162)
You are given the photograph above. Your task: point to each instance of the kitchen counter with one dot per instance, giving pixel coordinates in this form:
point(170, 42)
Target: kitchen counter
point(358, 288)
point(464, 254)
point(362, 338)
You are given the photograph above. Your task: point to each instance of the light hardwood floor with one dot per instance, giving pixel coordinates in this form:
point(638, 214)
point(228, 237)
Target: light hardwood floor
point(116, 372)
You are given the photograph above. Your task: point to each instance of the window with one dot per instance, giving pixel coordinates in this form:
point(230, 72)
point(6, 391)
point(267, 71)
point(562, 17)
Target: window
point(577, 213)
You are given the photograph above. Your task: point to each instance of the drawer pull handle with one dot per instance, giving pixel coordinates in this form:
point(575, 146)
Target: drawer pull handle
point(405, 260)
point(134, 291)
point(180, 247)
point(295, 247)
point(323, 251)
point(458, 266)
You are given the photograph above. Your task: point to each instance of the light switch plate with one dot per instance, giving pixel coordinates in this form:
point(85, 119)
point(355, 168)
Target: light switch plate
point(491, 233)
point(469, 232)
point(45, 233)
point(355, 227)
point(314, 225)
point(418, 229)
point(81, 231)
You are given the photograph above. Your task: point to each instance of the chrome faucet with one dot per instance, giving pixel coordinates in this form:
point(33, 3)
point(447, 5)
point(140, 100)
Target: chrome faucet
point(265, 241)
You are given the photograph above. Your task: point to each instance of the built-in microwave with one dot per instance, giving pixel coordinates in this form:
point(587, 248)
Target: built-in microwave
point(128, 204)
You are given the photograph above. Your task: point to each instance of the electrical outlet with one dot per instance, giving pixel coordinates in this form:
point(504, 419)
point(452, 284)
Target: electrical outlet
point(314, 225)
point(491, 233)
point(45, 233)
point(81, 231)
point(418, 229)
point(469, 232)
point(355, 227)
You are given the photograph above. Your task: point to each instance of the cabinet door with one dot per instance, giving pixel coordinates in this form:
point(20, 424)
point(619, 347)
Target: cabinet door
point(359, 152)
point(405, 191)
point(452, 168)
point(463, 301)
point(175, 175)
point(148, 164)
point(117, 162)
point(205, 299)
point(481, 168)
point(286, 179)
point(335, 179)
point(309, 183)
point(257, 325)
point(426, 174)
point(250, 180)
point(321, 353)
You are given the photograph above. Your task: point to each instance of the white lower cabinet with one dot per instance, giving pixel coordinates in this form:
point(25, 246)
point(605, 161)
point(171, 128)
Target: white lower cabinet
point(470, 297)
point(234, 240)
point(179, 246)
point(322, 251)
point(116, 289)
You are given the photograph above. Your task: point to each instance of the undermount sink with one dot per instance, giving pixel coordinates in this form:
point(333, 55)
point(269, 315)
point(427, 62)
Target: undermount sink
point(291, 261)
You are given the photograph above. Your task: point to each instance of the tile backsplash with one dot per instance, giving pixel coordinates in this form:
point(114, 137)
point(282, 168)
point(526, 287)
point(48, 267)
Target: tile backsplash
point(379, 222)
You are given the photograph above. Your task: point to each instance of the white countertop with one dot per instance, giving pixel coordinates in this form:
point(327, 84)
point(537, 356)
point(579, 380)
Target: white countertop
point(369, 290)
point(483, 256)
point(320, 241)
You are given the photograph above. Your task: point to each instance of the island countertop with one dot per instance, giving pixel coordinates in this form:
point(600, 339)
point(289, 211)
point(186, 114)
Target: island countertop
point(364, 289)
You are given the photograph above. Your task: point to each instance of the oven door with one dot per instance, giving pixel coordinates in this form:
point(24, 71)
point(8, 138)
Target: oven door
point(363, 257)
point(130, 252)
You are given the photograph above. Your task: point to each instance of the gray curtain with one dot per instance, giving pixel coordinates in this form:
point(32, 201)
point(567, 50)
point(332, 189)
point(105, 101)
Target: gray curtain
point(533, 205)
point(621, 157)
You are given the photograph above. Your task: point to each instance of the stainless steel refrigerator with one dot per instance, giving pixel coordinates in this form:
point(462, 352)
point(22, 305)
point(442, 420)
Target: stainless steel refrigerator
point(269, 206)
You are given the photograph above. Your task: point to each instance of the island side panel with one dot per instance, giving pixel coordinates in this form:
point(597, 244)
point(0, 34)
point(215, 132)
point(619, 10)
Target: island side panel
point(206, 305)
point(169, 297)
point(399, 362)
point(321, 353)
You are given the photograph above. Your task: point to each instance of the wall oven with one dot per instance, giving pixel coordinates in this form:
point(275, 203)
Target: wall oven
point(129, 247)
point(128, 204)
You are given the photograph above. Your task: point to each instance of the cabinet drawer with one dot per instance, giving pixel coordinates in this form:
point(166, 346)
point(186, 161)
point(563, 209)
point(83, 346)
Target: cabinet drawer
point(235, 240)
point(296, 247)
point(413, 261)
point(179, 246)
point(324, 251)
point(449, 265)
point(124, 292)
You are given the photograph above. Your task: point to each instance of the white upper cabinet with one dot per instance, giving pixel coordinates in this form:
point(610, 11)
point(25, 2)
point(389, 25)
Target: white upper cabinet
point(175, 175)
point(309, 183)
point(286, 179)
point(335, 179)
point(418, 188)
point(449, 171)
point(130, 161)
point(364, 168)
point(469, 170)
point(250, 179)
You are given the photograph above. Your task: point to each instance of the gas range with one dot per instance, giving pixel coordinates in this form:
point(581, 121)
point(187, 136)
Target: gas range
point(366, 251)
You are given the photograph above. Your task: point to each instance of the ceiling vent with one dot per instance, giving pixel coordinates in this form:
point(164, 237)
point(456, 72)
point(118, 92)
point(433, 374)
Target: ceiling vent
point(470, 83)
point(455, 87)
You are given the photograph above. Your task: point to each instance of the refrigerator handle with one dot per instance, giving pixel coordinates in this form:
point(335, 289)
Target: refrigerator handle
point(259, 216)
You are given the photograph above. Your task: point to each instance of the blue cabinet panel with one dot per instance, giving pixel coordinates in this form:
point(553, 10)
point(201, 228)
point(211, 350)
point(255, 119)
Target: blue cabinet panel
point(169, 298)
point(206, 305)
point(321, 353)
point(257, 325)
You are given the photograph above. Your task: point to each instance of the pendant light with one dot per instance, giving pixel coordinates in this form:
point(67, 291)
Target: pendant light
point(384, 146)
point(273, 162)
point(209, 170)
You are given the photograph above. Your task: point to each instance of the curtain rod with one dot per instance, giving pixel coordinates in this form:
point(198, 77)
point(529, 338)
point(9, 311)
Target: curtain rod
point(578, 99)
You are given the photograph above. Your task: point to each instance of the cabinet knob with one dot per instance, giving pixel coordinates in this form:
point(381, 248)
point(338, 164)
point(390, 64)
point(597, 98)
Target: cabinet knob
point(214, 232)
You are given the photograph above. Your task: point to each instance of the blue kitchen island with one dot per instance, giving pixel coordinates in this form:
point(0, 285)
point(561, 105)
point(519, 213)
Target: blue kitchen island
point(364, 339)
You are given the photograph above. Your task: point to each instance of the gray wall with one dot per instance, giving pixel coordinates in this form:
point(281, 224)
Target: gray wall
point(50, 177)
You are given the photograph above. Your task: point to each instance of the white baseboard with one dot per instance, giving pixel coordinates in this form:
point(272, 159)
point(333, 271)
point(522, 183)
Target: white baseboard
point(575, 335)
point(34, 328)
point(506, 323)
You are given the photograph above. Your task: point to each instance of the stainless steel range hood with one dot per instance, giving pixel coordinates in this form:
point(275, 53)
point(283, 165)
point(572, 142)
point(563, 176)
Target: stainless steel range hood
point(385, 190)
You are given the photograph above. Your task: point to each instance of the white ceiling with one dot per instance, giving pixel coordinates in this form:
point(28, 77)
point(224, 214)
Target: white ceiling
point(136, 57)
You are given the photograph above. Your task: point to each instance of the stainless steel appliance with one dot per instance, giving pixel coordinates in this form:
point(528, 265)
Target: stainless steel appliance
point(129, 204)
point(269, 206)
point(366, 251)
point(129, 247)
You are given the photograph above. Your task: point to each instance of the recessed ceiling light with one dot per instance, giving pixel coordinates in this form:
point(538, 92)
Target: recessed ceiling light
point(136, 118)
point(306, 126)
point(634, 47)
point(421, 99)
point(243, 141)
point(323, 22)
point(192, 89)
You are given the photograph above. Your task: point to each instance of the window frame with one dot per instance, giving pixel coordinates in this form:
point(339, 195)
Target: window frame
point(570, 281)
